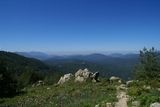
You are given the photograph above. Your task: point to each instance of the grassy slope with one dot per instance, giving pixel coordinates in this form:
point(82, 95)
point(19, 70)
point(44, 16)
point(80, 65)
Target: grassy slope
point(68, 95)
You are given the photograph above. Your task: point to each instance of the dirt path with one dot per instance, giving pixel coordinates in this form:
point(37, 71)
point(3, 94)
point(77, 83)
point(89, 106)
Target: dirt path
point(122, 99)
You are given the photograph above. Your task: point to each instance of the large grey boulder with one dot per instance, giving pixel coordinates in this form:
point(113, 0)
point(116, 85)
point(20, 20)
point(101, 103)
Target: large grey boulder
point(155, 104)
point(84, 75)
point(65, 78)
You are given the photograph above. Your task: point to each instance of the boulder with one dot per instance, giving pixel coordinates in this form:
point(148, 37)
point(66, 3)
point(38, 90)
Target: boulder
point(95, 77)
point(128, 83)
point(79, 79)
point(65, 78)
point(155, 104)
point(147, 87)
point(40, 83)
point(114, 79)
point(84, 75)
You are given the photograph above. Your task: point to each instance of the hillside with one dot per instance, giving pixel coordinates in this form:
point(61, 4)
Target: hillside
point(18, 63)
point(28, 70)
point(70, 94)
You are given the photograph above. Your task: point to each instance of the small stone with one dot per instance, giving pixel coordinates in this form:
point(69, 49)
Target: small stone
point(97, 105)
point(48, 88)
point(108, 104)
point(155, 104)
point(136, 104)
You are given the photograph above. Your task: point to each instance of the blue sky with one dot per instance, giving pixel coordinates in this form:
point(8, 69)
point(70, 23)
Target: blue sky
point(79, 25)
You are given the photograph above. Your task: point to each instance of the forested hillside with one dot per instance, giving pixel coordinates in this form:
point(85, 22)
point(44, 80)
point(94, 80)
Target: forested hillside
point(18, 63)
point(17, 72)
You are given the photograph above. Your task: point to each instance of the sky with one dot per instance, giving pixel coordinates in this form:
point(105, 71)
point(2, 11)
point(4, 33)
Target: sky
point(79, 25)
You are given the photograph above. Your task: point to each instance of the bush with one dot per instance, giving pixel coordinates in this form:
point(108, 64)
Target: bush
point(148, 98)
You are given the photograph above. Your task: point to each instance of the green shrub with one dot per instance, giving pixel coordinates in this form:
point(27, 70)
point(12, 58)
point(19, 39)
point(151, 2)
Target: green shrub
point(147, 99)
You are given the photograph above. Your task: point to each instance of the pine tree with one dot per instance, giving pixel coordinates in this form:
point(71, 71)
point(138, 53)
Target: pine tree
point(149, 66)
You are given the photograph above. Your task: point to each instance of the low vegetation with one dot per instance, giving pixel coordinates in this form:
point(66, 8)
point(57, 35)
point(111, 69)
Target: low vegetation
point(70, 94)
point(146, 95)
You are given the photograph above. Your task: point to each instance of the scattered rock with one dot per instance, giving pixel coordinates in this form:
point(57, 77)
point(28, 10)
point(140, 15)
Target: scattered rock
point(158, 89)
point(155, 104)
point(109, 105)
point(114, 79)
point(147, 87)
point(136, 104)
point(65, 78)
point(38, 83)
point(48, 88)
point(122, 87)
point(120, 81)
point(128, 83)
point(97, 105)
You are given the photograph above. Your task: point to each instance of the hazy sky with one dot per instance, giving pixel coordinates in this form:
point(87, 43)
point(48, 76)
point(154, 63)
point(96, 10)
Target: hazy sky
point(79, 25)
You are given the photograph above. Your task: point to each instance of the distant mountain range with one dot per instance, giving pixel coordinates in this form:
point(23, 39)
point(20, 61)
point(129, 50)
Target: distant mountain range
point(108, 65)
point(36, 55)
point(44, 56)
point(116, 64)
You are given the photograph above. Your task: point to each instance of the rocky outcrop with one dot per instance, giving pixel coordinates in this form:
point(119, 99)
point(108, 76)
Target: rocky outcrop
point(84, 75)
point(80, 76)
point(155, 104)
point(65, 78)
